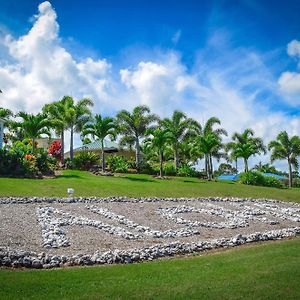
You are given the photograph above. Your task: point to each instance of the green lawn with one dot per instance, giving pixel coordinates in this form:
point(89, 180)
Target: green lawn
point(87, 184)
point(264, 271)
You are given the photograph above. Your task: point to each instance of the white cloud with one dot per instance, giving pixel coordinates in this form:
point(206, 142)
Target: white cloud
point(289, 82)
point(43, 71)
point(293, 48)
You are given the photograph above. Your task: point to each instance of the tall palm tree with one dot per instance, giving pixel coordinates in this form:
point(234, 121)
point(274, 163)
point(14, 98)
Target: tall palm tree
point(179, 127)
point(245, 145)
point(76, 116)
point(133, 126)
point(208, 143)
point(100, 128)
point(33, 126)
point(158, 142)
point(285, 147)
point(57, 111)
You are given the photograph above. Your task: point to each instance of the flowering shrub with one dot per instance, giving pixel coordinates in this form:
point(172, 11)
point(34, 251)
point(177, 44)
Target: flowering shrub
point(19, 161)
point(55, 150)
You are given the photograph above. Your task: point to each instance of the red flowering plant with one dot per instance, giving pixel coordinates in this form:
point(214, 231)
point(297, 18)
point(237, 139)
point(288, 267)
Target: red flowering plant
point(55, 150)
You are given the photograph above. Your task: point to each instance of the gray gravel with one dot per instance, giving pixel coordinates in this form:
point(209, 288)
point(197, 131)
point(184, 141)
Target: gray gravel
point(52, 232)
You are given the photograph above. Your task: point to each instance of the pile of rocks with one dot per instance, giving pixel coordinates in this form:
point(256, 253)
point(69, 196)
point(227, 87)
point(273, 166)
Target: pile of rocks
point(25, 259)
point(143, 229)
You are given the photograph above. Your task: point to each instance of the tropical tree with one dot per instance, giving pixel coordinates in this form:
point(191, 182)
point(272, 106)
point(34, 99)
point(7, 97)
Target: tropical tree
point(76, 116)
point(133, 127)
point(33, 126)
point(179, 127)
point(208, 143)
point(288, 148)
point(57, 111)
point(5, 113)
point(265, 168)
point(245, 145)
point(158, 141)
point(100, 128)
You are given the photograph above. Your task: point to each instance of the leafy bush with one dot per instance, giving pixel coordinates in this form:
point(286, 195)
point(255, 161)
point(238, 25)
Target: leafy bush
point(271, 181)
point(187, 171)
point(169, 169)
point(84, 161)
point(257, 178)
point(20, 161)
point(117, 163)
point(147, 168)
point(252, 178)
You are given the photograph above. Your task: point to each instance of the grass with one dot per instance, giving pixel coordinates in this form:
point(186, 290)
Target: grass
point(263, 271)
point(87, 184)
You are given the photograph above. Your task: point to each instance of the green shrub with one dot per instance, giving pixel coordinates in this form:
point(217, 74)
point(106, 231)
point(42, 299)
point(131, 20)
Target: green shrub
point(257, 178)
point(84, 160)
point(187, 171)
point(169, 169)
point(271, 181)
point(147, 168)
point(252, 178)
point(117, 163)
point(20, 161)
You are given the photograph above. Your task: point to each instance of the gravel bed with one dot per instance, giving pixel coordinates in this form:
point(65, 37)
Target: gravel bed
point(51, 232)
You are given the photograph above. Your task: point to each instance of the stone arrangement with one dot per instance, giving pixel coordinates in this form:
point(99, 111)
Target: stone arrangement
point(52, 220)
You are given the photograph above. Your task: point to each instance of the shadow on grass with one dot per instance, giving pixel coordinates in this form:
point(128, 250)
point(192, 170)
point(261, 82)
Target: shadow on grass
point(193, 181)
point(138, 179)
point(69, 176)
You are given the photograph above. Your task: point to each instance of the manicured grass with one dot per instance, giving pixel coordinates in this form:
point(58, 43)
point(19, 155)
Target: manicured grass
point(265, 271)
point(87, 184)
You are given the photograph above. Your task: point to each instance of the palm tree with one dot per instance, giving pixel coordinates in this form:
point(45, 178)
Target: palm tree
point(245, 145)
point(179, 127)
point(287, 148)
point(5, 113)
point(76, 116)
point(133, 126)
point(57, 111)
point(158, 142)
point(33, 126)
point(208, 143)
point(100, 128)
point(265, 168)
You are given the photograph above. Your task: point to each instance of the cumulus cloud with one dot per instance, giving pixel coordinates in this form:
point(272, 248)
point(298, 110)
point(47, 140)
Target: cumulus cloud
point(43, 71)
point(289, 82)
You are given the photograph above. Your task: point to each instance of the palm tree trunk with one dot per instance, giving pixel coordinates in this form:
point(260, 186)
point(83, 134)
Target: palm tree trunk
point(62, 142)
point(33, 145)
point(102, 156)
point(206, 166)
point(290, 174)
point(246, 165)
point(236, 164)
point(176, 158)
point(71, 144)
point(137, 154)
point(160, 163)
point(211, 166)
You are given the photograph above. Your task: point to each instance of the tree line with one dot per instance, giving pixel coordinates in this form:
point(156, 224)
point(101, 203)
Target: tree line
point(185, 139)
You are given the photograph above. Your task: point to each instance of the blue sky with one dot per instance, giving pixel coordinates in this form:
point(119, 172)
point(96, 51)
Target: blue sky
point(237, 60)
